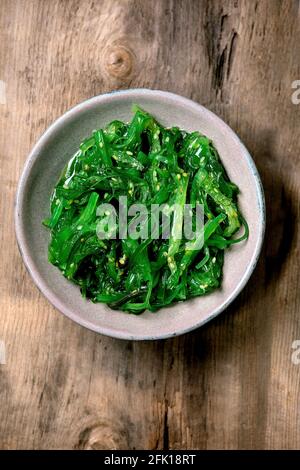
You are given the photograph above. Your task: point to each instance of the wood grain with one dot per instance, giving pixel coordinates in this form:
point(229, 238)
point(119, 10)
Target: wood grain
point(231, 384)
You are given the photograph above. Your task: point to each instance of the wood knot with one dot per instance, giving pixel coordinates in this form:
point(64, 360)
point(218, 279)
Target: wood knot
point(102, 436)
point(119, 62)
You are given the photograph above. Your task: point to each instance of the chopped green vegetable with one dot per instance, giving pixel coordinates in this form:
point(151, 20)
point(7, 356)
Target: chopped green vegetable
point(150, 165)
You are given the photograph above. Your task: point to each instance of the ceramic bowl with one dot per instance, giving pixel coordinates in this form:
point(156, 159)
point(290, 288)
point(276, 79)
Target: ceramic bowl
point(43, 168)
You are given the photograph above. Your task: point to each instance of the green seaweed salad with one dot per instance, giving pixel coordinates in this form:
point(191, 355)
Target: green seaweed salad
point(150, 164)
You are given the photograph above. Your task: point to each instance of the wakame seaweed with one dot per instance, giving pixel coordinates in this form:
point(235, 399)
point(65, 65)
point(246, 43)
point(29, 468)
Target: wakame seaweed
point(150, 164)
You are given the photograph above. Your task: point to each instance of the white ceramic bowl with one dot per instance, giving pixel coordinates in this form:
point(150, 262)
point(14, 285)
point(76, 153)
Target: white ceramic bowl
point(43, 168)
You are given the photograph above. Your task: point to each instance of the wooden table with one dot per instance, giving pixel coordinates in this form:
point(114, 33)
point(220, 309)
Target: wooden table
point(233, 383)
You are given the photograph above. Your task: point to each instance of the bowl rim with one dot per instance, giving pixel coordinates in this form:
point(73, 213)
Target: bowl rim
point(26, 252)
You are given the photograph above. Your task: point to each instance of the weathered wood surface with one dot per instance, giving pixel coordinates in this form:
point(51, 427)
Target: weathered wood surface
point(231, 384)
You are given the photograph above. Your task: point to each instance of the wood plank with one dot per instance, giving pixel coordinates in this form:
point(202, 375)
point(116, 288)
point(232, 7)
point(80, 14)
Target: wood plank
point(232, 383)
